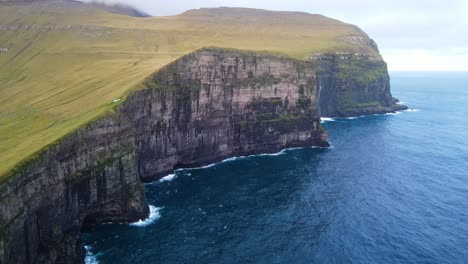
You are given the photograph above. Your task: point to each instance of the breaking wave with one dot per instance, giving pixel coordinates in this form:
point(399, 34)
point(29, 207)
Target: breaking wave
point(168, 178)
point(326, 119)
point(154, 215)
point(90, 257)
point(412, 110)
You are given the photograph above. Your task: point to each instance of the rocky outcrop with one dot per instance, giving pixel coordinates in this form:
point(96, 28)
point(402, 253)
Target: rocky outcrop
point(353, 85)
point(207, 106)
point(89, 176)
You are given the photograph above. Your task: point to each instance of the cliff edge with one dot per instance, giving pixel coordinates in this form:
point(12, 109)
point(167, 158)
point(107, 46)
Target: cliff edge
point(354, 84)
point(206, 106)
point(87, 155)
point(51, 88)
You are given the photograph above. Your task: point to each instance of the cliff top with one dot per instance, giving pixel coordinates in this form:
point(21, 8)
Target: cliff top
point(64, 63)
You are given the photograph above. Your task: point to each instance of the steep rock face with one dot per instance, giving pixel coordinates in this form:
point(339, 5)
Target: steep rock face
point(215, 104)
point(205, 107)
point(354, 85)
point(90, 176)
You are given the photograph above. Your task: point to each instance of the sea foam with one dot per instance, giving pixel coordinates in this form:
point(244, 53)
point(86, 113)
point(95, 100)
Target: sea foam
point(90, 257)
point(168, 178)
point(154, 215)
point(233, 159)
point(393, 114)
point(171, 177)
point(412, 110)
point(326, 119)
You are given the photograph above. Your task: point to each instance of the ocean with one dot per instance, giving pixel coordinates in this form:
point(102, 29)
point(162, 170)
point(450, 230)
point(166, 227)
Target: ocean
point(392, 189)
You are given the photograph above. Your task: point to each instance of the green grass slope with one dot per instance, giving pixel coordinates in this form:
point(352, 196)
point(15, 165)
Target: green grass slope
point(62, 63)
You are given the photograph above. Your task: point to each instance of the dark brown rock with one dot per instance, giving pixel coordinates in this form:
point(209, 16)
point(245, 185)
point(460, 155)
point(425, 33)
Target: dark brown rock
point(205, 107)
point(354, 85)
point(215, 104)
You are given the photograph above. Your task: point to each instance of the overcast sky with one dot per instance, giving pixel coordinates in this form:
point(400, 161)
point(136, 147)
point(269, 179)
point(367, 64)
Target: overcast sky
point(412, 34)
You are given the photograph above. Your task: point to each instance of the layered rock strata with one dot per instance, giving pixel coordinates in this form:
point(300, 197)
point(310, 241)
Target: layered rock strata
point(205, 107)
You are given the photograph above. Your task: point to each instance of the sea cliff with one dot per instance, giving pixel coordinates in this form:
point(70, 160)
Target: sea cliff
point(206, 106)
point(354, 85)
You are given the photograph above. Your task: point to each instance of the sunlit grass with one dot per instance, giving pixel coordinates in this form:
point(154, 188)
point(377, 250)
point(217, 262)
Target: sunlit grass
point(53, 80)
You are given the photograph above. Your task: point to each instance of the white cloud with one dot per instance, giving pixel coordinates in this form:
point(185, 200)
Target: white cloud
point(424, 60)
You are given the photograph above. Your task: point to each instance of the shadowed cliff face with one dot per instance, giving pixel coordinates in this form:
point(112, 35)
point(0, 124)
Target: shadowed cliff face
point(205, 107)
point(216, 104)
point(353, 85)
point(90, 176)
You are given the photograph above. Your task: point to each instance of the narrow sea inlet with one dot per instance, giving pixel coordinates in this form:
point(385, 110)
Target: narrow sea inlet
point(392, 189)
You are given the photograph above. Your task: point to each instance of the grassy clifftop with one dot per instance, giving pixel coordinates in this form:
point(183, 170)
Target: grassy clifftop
point(63, 63)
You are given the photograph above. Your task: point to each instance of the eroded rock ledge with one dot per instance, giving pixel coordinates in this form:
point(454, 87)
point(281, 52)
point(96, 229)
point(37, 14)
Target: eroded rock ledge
point(207, 106)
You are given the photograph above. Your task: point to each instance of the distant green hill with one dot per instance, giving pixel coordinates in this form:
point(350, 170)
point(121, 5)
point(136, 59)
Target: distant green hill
point(63, 63)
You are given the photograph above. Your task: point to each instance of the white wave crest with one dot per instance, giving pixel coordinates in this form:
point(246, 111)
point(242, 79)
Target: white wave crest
point(233, 159)
point(90, 258)
point(171, 177)
point(154, 215)
point(207, 166)
point(326, 119)
point(269, 154)
point(395, 113)
point(168, 178)
point(412, 110)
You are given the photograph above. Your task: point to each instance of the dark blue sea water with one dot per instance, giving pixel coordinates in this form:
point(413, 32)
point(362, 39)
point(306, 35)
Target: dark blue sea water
point(392, 189)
